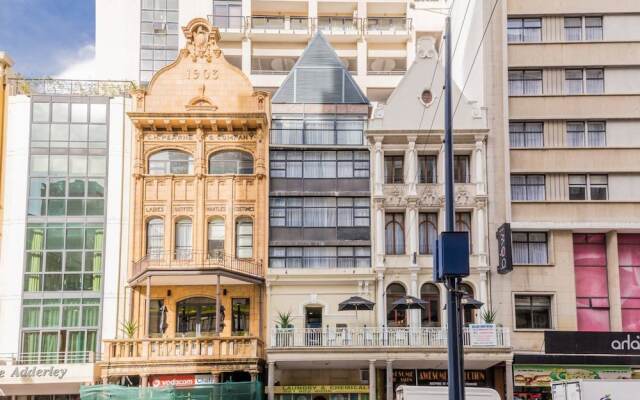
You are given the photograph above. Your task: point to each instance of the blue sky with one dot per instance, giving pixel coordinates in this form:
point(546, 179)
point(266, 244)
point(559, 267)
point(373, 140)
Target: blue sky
point(44, 37)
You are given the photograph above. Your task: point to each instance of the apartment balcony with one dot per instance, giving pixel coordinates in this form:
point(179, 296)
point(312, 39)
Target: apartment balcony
point(340, 27)
point(178, 355)
point(187, 267)
point(375, 339)
point(381, 29)
point(387, 66)
point(232, 26)
point(280, 28)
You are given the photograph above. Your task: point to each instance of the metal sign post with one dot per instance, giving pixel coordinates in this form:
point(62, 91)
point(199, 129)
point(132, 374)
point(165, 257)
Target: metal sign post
point(454, 332)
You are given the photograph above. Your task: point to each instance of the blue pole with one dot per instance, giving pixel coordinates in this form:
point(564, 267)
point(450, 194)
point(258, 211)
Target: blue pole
point(454, 331)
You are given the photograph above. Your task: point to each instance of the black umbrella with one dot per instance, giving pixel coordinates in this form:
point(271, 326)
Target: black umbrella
point(409, 303)
point(356, 303)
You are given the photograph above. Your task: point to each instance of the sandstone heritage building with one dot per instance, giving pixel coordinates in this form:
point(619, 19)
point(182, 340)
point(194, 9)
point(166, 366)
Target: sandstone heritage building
point(199, 215)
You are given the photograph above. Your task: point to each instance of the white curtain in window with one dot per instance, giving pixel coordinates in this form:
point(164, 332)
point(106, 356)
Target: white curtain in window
point(244, 238)
point(155, 238)
point(216, 236)
point(320, 212)
point(319, 257)
point(183, 239)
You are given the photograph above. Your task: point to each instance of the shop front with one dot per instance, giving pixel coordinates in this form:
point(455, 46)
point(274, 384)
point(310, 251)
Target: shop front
point(576, 355)
point(322, 392)
point(491, 378)
point(44, 381)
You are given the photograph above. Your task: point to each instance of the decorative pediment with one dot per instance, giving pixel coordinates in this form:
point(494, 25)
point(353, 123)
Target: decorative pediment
point(201, 81)
point(202, 39)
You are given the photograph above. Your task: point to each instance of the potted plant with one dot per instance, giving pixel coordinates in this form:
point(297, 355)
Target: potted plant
point(488, 315)
point(129, 329)
point(284, 334)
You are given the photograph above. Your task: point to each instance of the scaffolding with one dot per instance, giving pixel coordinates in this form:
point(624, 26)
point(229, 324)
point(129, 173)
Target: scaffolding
point(219, 391)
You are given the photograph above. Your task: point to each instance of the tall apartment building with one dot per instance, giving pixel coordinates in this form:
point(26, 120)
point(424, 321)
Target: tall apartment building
point(195, 287)
point(67, 149)
point(564, 90)
point(375, 40)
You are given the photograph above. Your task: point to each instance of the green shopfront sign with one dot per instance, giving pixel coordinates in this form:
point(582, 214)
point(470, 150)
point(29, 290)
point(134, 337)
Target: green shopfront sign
point(544, 375)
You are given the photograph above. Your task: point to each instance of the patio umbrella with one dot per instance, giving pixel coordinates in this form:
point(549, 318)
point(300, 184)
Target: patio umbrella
point(356, 303)
point(409, 303)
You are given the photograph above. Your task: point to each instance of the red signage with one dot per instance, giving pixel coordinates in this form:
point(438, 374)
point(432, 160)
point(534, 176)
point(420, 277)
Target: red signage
point(173, 380)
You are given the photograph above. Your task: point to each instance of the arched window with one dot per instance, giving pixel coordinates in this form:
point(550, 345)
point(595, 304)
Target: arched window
point(395, 317)
point(431, 313)
point(184, 244)
point(469, 313)
point(215, 234)
point(155, 238)
point(196, 316)
point(167, 162)
point(231, 162)
point(244, 238)
point(427, 232)
point(394, 233)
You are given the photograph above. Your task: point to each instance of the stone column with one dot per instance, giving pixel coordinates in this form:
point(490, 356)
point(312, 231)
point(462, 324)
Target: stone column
point(254, 376)
point(372, 379)
point(379, 244)
point(411, 161)
point(613, 280)
point(411, 228)
point(483, 289)
point(414, 321)
point(481, 233)
point(271, 379)
point(389, 379)
point(481, 187)
point(508, 379)
point(216, 377)
point(378, 168)
point(381, 305)
point(144, 380)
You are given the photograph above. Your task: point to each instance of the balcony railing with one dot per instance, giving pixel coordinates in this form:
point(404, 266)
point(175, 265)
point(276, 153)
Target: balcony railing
point(386, 25)
point(435, 338)
point(280, 24)
point(188, 259)
point(228, 22)
point(339, 25)
point(16, 86)
point(183, 349)
point(69, 357)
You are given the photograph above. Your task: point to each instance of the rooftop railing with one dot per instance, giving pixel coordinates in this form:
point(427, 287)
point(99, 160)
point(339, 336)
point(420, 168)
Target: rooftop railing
point(49, 86)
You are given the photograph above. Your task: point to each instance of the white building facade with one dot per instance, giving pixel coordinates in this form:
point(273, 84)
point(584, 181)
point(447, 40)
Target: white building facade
point(65, 229)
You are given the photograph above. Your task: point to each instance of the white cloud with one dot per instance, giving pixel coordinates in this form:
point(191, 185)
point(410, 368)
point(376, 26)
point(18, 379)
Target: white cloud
point(80, 64)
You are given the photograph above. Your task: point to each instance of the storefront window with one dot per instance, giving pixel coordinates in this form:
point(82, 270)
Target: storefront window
point(592, 294)
point(629, 258)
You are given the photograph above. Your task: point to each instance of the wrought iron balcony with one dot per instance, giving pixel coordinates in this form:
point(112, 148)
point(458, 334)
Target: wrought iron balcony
point(186, 260)
point(430, 338)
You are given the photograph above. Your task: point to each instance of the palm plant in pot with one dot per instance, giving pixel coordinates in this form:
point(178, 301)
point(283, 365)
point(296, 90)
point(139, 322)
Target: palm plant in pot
point(284, 339)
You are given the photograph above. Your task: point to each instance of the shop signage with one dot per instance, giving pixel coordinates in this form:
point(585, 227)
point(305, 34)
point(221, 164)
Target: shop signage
point(505, 257)
point(181, 380)
point(54, 373)
point(612, 343)
point(535, 375)
point(321, 389)
point(483, 335)
point(440, 377)
point(404, 377)
point(34, 372)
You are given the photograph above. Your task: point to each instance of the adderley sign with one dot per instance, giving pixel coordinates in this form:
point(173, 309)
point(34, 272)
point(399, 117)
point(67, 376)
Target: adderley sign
point(34, 372)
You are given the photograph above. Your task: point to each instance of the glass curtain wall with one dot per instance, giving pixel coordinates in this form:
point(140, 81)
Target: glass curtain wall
point(64, 243)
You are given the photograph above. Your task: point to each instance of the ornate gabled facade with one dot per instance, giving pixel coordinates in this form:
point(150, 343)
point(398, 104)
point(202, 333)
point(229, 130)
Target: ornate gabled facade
point(199, 223)
point(407, 171)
